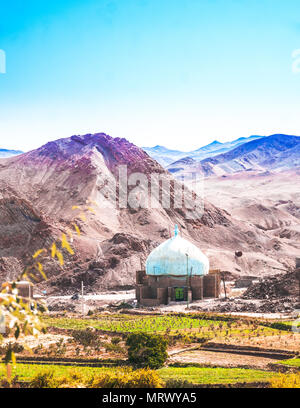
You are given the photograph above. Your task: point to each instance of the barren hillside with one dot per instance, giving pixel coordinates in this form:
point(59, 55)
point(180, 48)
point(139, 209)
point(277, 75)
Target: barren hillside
point(38, 190)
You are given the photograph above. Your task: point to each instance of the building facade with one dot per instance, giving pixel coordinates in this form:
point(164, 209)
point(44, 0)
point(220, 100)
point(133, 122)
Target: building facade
point(176, 271)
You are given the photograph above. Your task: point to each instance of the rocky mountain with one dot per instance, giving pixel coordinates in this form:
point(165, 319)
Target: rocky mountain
point(165, 156)
point(270, 153)
point(273, 153)
point(43, 192)
point(9, 153)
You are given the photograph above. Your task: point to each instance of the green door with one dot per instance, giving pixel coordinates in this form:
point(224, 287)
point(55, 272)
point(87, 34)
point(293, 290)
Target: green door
point(179, 294)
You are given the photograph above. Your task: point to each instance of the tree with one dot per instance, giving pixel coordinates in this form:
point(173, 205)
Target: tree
point(147, 350)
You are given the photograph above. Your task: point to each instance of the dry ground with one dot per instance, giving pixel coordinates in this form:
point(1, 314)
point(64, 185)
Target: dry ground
point(221, 359)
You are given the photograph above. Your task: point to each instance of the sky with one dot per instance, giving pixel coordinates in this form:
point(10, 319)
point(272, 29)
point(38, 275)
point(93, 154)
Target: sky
point(178, 73)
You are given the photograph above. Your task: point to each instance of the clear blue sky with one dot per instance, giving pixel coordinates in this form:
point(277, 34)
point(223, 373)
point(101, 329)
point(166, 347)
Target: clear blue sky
point(180, 73)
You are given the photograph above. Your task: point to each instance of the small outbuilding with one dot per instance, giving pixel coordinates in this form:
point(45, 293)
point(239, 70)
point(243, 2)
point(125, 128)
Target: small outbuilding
point(176, 270)
point(25, 288)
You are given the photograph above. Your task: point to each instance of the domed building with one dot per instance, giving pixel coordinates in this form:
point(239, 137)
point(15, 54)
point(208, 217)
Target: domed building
point(176, 270)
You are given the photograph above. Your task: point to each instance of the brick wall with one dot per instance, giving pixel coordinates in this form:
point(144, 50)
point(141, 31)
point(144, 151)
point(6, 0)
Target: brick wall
point(211, 285)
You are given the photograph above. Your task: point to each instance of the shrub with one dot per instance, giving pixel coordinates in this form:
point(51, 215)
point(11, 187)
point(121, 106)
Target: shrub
point(14, 347)
point(85, 337)
point(38, 349)
point(143, 378)
point(47, 379)
point(43, 380)
point(13, 383)
point(116, 348)
point(147, 350)
point(60, 347)
point(286, 381)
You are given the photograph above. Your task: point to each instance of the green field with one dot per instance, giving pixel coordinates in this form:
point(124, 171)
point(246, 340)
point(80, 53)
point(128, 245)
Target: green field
point(293, 362)
point(194, 375)
point(204, 375)
point(26, 372)
point(187, 328)
point(166, 324)
point(129, 324)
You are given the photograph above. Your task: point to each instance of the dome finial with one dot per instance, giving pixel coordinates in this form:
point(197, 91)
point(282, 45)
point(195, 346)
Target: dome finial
point(176, 230)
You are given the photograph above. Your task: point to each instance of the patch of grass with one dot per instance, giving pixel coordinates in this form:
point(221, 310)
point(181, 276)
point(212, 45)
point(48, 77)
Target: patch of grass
point(26, 372)
point(192, 375)
point(148, 324)
point(292, 362)
point(205, 375)
point(169, 324)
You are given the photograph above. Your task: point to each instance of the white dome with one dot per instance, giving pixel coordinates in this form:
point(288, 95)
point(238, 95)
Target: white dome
point(178, 257)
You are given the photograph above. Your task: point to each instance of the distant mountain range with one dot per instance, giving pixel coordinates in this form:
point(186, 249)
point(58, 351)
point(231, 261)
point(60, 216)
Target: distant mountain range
point(165, 156)
point(9, 153)
point(276, 152)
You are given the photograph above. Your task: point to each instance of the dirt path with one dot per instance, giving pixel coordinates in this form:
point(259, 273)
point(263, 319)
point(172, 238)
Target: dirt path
point(221, 359)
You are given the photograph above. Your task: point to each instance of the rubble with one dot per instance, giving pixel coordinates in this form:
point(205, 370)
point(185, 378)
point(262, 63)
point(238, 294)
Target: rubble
point(274, 287)
point(238, 305)
point(273, 294)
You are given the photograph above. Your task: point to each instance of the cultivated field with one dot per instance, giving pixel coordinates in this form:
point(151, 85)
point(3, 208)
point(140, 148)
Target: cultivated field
point(204, 350)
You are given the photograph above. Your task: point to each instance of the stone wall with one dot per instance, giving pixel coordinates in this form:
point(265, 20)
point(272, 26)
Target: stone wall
point(155, 290)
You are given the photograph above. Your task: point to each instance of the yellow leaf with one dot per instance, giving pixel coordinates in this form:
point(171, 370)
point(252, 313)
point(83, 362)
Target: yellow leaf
point(53, 250)
point(65, 244)
point(40, 251)
point(33, 276)
point(76, 228)
point(24, 275)
point(13, 358)
point(40, 269)
point(60, 257)
point(75, 207)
